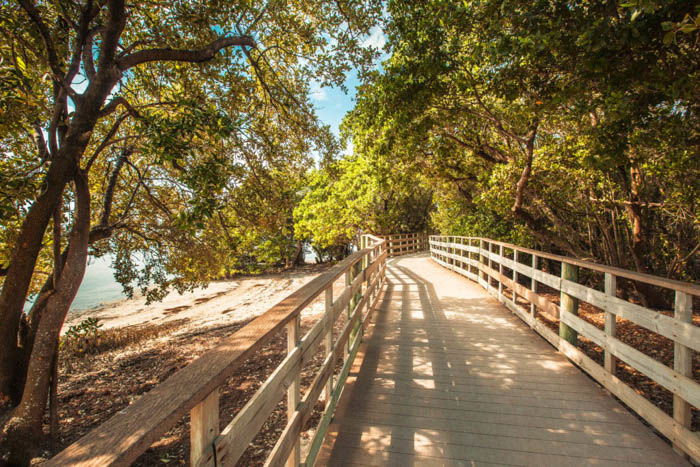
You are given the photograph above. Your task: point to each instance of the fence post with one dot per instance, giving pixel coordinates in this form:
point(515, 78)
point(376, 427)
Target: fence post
point(515, 275)
point(481, 259)
point(500, 271)
point(329, 339)
point(461, 253)
point(682, 360)
point(471, 257)
point(294, 391)
point(204, 428)
point(533, 287)
point(610, 362)
point(348, 281)
point(568, 304)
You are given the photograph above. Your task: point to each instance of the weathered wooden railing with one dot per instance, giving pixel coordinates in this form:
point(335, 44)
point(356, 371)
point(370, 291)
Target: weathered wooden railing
point(404, 244)
point(195, 388)
point(490, 263)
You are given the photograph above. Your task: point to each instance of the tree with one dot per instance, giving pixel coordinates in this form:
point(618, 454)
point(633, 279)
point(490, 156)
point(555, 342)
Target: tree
point(572, 122)
point(355, 195)
point(120, 125)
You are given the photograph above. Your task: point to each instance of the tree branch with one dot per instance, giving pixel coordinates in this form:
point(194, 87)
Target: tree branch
point(33, 13)
point(111, 185)
point(106, 141)
point(527, 170)
point(116, 102)
point(178, 55)
point(40, 142)
point(116, 20)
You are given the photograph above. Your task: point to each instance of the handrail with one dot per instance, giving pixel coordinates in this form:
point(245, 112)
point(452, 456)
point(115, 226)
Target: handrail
point(686, 287)
point(404, 244)
point(475, 258)
point(125, 436)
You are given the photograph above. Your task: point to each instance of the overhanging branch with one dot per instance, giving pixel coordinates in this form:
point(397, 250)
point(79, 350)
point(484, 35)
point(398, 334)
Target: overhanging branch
point(179, 55)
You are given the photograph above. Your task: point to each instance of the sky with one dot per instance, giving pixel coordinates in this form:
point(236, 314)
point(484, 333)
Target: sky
point(332, 103)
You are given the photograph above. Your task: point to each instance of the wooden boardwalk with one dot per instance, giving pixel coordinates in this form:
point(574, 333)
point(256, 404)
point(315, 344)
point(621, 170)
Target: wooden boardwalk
point(448, 376)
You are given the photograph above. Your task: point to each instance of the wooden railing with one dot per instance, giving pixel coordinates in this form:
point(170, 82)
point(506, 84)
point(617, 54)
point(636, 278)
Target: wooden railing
point(404, 244)
point(495, 265)
point(195, 388)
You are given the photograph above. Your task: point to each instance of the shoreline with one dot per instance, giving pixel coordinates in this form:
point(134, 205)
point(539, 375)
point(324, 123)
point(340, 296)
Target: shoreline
point(221, 301)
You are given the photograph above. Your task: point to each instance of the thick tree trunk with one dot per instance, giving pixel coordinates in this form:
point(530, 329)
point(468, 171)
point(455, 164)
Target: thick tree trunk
point(23, 431)
point(298, 257)
point(19, 273)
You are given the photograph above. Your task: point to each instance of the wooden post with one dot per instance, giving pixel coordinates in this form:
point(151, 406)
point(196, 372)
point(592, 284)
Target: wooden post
point(450, 250)
point(481, 258)
point(515, 274)
point(470, 256)
point(500, 270)
point(490, 263)
point(610, 362)
point(568, 304)
point(348, 281)
point(682, 360)
point(329, 339)
point(294, 391)
point(204, 428)
point(533, 287)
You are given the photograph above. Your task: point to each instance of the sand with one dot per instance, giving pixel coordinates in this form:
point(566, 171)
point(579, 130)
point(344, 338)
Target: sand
point(221, 303)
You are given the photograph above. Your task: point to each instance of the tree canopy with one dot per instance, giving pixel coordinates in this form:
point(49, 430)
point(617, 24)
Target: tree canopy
point(570, 126)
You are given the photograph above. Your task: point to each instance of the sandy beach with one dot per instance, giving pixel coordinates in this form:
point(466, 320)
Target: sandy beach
point(220, 303)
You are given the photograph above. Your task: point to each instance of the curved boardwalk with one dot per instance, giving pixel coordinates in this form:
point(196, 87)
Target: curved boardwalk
point(448, 376)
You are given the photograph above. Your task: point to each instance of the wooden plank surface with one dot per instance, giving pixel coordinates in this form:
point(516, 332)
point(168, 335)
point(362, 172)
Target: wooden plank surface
point(448, 376)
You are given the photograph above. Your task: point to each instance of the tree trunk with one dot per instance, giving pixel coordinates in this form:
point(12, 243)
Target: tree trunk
point(649, 295)
point(21, 269)
point(63, 168)
point(23, 431)
point(298, 254)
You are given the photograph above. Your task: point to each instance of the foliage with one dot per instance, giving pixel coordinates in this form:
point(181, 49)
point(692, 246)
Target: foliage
point(82, 338)
point(353, 195)
point(568, 126)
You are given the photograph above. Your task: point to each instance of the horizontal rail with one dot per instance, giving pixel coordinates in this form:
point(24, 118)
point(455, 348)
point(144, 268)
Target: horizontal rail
point(483, 261)
point(404, 244)
point(686, 287)
point(125, 436)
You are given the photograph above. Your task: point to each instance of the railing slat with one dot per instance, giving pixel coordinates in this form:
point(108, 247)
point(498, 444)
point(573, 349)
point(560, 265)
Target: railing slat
point(293, 392)
point(234, 439)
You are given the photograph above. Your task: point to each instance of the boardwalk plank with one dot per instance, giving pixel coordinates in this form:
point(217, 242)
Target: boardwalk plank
point(448, 376)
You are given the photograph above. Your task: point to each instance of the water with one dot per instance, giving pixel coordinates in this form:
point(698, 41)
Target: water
point(99, 285)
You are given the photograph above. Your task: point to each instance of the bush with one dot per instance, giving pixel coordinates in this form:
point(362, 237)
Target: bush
point(83, 338)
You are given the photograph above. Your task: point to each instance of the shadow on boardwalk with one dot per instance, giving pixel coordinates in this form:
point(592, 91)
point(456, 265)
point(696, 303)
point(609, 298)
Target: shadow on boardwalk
point(447, 376)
